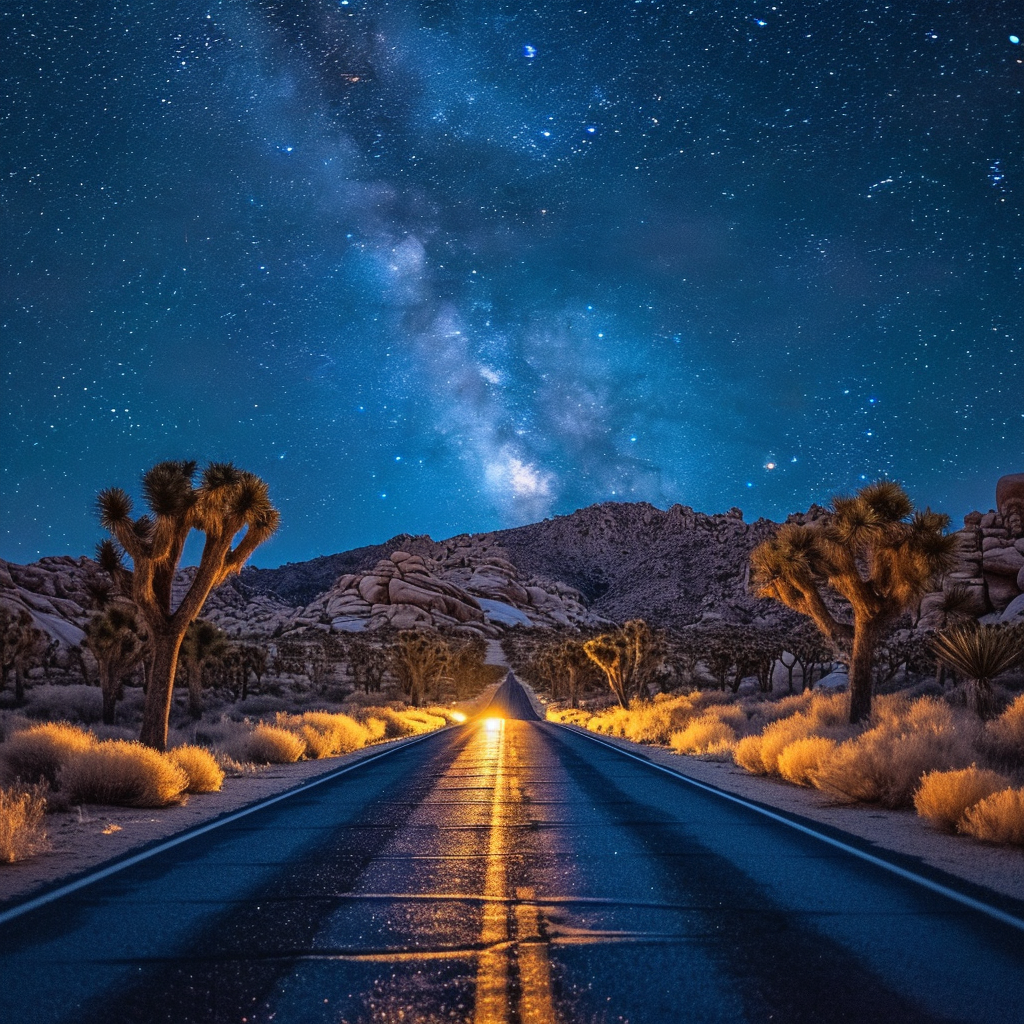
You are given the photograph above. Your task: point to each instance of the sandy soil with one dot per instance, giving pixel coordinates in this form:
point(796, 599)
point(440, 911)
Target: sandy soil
point(999, 868)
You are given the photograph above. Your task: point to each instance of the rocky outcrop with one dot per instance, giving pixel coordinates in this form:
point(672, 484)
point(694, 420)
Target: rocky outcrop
point(466, 586)
point(990, 558)
point(673, 567)
point(1010, 502)
point(55, 593)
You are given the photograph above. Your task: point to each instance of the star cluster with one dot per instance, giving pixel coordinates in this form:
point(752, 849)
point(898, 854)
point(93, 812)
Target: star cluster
point(460, 264)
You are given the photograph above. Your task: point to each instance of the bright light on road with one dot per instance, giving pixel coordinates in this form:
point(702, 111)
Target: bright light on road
point(493, 724)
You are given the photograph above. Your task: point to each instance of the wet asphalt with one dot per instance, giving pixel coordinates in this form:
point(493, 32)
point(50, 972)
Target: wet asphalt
point(508, 870)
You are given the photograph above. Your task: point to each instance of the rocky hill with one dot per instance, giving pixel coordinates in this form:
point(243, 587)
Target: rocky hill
point(604, 563)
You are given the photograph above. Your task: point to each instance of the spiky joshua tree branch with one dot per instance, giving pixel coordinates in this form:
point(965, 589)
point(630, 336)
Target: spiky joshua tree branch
point(226, 502)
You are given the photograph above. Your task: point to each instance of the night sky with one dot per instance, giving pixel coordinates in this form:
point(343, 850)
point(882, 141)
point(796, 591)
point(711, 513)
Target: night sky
point(454, 265)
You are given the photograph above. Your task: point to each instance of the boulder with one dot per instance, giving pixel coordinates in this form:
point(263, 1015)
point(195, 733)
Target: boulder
point(1003, 561)
point(1010, 501)
point(1001, 591)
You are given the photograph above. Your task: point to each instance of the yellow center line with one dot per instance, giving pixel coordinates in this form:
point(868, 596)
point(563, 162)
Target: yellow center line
point(492, 995)
point(536, 1005)
point(530, 947)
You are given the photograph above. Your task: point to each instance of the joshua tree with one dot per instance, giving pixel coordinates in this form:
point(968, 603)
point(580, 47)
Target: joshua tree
point(628, 657)
point(368, 664)
point(256, 663)
point(226, 502)
point(980, 654)
point(117, 639)
point(203, 641)
point(806, 649)
point(760, 648)
point(875, 551)
point(20, 644)
point(574, 663)
point(419, 659)
point(466, 667)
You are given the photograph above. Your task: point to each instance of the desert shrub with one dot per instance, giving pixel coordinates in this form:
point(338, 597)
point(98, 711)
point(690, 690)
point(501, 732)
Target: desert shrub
point(326, 734)
point(944, 797)
point(999, 818)
point(568, 716)
point(260, 704)
point(747, 754)
point(395, 725)
point(423, 721)
point(270, 744)
point(74, 702)
point(22, 832)
point(38, 753)
point(820, 716)
point(375, 729)
point(121, 772)
point(1003, 738)
point(885, 764)
point(404, 722)
point(646, 721)
point(200, 767)
point(800, 761)
point(704, 735)
point(780, 734)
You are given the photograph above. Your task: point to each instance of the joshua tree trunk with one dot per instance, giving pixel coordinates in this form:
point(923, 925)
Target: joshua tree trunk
point(865, 634)
point(156, 711)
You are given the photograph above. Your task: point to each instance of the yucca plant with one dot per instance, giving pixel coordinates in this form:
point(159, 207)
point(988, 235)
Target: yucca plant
point(979, 654)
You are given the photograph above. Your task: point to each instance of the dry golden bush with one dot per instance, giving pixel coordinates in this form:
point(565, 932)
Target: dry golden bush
point(375, 729)
point(326, 734)
point(22, 832)
point(423, 721)
point(396, 724)
point(705, 735)
point(645, 721)
point(270, 744)
point(747, 754)
point(998, 818)
point(944, 797)
point(885, 764)
point(801, 760)
point(780, 734)
point(200, 767)
point(38, 753)
point(122, 772)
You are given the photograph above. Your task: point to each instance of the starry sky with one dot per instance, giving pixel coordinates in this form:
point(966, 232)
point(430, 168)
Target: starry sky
point(454, 265)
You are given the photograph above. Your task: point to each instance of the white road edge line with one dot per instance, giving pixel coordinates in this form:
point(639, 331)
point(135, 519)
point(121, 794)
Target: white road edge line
point(926, 883)
point(184, 837)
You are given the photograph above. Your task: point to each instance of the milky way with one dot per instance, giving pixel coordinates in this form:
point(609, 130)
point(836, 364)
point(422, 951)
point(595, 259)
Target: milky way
point(454, 265)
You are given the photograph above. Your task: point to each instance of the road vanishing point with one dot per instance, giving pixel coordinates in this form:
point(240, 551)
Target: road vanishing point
point(512, 871)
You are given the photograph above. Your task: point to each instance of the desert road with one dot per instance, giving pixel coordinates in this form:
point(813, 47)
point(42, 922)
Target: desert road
point(509, 870)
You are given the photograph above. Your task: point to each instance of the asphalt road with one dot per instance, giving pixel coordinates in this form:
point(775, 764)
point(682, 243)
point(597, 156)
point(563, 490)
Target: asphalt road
point(507, 871)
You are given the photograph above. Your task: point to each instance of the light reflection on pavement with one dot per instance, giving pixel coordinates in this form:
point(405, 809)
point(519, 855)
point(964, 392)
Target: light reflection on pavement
point(506, 871)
